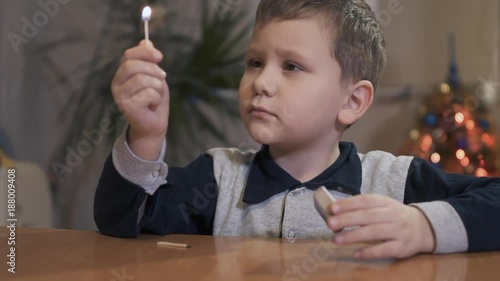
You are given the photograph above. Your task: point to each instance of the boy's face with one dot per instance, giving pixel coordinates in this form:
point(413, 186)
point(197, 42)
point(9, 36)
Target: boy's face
point(290, 93)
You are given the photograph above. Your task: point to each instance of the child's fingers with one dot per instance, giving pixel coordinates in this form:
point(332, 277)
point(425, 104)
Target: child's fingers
point(130, 68)
point(138, 83)
point(359, 217)
point(142, 52)
point(140, 100)
point(358, 202)
point(146, 98)
point(371, 233)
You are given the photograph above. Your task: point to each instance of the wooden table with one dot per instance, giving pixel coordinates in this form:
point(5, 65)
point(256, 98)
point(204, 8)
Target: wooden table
point(50, 254)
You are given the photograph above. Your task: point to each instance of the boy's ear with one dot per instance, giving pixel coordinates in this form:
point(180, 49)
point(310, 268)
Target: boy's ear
point(359, 99)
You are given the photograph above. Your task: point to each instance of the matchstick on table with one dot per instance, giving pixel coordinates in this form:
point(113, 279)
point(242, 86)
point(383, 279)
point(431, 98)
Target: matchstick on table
point(172, 245)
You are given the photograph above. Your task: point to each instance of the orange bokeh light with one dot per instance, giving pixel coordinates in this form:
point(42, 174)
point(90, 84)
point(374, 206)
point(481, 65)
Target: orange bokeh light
point(487, 139)
point(435, 158)
point(470, 125)
point(481, 172)
point(465, 162)
point(426, 143)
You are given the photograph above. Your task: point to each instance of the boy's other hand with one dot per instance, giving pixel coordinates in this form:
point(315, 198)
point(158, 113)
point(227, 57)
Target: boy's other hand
point(402, 230)
point(140, 90)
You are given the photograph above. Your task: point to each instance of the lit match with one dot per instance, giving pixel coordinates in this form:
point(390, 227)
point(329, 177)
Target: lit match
point(146, 16)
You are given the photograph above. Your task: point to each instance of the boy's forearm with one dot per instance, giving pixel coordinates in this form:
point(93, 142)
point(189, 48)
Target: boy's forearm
point(125, 182)
point(447, 229)
point(463, 210)
point(479, 209)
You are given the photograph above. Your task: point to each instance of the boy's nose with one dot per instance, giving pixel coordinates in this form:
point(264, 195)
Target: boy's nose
point(265, 84)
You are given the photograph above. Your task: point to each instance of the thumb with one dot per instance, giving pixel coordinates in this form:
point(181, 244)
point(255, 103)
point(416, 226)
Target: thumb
point(155, 54)
point(145, 43)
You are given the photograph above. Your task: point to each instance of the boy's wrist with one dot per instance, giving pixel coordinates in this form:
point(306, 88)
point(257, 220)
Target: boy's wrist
point(426, 234)
point(149, 175)
point(145, 147)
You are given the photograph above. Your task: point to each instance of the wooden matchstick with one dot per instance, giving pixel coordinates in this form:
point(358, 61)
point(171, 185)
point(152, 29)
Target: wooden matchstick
point(172, 245)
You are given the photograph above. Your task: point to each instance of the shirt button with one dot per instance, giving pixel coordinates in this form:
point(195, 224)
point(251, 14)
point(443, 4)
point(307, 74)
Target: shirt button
point(156, 174)
point(291, 234)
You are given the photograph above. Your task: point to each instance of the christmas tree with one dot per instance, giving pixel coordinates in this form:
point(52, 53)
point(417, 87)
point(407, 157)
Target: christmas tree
point(455, 129)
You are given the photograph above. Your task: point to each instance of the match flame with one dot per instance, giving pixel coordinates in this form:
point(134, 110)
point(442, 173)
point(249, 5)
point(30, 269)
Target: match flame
point(146, 13)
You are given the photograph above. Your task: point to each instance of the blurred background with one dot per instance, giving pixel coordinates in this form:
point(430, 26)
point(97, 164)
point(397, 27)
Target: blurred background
point(58, 121)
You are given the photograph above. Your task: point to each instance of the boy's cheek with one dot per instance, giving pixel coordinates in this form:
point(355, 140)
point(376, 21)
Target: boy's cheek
point(246, 81)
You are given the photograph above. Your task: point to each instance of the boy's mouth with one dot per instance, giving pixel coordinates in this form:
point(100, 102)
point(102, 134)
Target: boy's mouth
point(260, 111)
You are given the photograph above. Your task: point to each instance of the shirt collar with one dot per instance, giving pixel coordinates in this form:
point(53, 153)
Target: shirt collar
point(267, 179)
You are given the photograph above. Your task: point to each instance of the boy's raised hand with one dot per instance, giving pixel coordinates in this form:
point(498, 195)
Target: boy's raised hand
point(402, 230)
point(140, 90)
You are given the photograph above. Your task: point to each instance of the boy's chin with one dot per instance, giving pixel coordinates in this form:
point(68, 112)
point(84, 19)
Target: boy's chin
point(263, 136)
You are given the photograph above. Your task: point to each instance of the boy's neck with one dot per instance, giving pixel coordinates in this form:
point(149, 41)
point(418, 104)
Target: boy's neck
point(306, 163)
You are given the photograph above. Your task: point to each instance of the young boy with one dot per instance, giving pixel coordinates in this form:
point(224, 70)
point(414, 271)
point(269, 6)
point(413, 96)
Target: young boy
point(311, 70)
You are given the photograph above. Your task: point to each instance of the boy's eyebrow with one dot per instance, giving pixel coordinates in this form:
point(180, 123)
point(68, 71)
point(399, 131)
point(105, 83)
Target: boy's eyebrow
point(287, 53)
point(253, 50)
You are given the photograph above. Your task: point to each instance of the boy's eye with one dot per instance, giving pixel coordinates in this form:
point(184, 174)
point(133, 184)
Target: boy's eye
point(254, 63)
point(290, 66)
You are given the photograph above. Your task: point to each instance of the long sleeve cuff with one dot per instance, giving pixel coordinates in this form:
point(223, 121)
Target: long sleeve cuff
point(150, 175)
point(449, 230)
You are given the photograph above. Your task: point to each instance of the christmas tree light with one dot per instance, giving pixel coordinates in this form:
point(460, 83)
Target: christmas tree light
point(454, 129)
